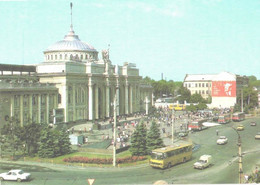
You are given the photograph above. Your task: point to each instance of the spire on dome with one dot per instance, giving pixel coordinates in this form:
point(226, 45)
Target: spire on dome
point(71, 26)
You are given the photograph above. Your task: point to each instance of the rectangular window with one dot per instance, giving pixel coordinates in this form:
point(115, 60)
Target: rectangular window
point(202, 84)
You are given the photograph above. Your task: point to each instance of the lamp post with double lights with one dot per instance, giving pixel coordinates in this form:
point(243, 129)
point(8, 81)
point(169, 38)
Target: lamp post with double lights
point(173, 119)
point(114, 134)
point(240, 169)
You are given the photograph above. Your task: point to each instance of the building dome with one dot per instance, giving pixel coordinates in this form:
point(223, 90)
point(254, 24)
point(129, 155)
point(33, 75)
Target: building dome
point(71, 42)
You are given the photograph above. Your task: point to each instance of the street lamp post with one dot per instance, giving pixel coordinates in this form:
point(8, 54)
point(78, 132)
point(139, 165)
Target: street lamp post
point(114, 134)
point(242, 106)
point(240, 169)
point(173, 121)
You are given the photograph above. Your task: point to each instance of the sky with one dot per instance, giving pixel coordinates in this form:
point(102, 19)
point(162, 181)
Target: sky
point(173, 37)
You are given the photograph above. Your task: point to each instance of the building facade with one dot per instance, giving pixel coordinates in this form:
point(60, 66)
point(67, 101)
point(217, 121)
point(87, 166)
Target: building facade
point(23, 97)
point(223, 87)
point(88, 85)
point(71, 84)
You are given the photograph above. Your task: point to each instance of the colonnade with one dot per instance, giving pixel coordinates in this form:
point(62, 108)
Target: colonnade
point(99, 99)
point(34, 107)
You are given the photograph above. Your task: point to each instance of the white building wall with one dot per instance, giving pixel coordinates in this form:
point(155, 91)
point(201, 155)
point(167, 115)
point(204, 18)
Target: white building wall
point(222, 102)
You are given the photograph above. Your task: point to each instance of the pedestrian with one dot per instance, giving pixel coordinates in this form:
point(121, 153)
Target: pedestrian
point(217, 132)
point(246, 178)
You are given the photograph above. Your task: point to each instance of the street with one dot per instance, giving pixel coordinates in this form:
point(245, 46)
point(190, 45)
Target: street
point(223, 170)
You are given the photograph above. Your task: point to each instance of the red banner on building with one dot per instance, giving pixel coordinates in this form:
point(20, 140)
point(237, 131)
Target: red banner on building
point(223, 88)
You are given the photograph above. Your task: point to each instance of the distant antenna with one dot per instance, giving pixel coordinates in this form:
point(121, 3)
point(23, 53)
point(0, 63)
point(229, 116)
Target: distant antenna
point(71, 16)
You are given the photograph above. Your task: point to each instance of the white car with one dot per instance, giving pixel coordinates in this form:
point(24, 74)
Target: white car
point(15, 175)
point(257, 136)
point(222, 140)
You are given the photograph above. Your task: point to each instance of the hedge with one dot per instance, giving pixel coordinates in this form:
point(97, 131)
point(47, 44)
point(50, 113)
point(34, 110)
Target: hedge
point(78, 159)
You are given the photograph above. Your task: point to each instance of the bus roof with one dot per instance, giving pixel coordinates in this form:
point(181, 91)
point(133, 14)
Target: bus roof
point(171, 147)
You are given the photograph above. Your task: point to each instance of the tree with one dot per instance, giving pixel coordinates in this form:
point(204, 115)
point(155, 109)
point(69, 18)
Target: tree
point(30, 136)
point(10, 136)
point(191, 108)
point(201, 106)
point(64, 142)
point(250, 98)
point(53, 143)
point(138, 140)
point(184, 94)
point(197, 98)
point(47, 147)
point(154, 139)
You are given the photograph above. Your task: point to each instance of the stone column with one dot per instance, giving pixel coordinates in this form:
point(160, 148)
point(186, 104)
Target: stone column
point(152, 99)
point(39, 108)
point(107, 102)
point(12, 107)
point(126, 99)
point(117, 100)
point(64, 100)
point(74, 102)
point(131, 99)
point(96, 103)
point(47, 108)
point(21, 110)
point(90, 101)
point(30, 107)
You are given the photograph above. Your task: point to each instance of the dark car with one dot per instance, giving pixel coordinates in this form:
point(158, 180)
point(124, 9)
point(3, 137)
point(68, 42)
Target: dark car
point(183, 134)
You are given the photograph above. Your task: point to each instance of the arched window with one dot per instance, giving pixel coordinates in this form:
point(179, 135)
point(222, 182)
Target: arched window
point(77, 56)
point(71, 56)
point(56, 57)
point(86, 56)
point(66, 56)
point(81, 57)
point(48, 57)
point(61, 56)
point(51, 57)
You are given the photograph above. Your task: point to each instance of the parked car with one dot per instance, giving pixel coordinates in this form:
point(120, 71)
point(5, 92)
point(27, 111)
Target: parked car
point(222, 140)
point(253, 123)
point(204, 162)
point(240, 127)
point(15, 175)
point(257, 136)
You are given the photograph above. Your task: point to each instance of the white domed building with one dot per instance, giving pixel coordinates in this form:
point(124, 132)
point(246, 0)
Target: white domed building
point(87, 85)
point(70, 48)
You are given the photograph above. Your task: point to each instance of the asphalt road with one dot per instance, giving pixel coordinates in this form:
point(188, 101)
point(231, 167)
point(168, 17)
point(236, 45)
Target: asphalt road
point(223, 170)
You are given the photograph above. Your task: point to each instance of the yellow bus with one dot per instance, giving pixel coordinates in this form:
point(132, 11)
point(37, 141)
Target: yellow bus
point(179, 107)
point(168, 156)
